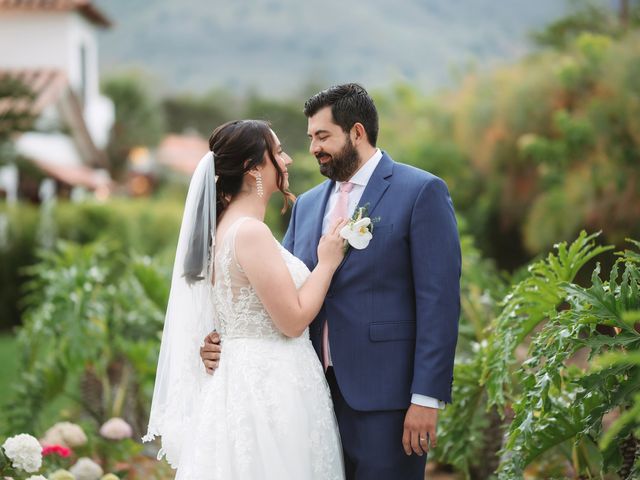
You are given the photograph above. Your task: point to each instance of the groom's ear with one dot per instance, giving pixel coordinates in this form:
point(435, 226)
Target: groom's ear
point(359, 134)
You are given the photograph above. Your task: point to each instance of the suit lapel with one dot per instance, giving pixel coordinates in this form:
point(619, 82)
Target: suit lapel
point(324, 194)
point(373, 192)
point(377, 185)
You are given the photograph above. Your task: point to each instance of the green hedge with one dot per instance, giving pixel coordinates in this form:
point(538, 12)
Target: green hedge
point(148, 227)
point(144, 226)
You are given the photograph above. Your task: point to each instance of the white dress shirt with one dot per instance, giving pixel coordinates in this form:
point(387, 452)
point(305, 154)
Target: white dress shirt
point(360, 180)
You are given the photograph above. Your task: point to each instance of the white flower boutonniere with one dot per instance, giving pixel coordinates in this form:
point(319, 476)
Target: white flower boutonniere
point(359, 231)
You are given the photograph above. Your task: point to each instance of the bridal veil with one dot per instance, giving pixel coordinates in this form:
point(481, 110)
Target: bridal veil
point(189, 317)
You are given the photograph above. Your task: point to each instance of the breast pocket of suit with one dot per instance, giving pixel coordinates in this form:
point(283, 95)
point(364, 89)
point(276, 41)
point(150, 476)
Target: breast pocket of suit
point(381, 235)
point(392, 331)
point(368, 257)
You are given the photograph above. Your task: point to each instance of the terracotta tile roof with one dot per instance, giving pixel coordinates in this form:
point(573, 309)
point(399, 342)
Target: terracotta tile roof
point(84, 7)
point(182, 152)
point(43, 88)
point(79, 175)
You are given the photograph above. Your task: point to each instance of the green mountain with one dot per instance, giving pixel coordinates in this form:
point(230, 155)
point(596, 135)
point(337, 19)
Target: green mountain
point(278, 47)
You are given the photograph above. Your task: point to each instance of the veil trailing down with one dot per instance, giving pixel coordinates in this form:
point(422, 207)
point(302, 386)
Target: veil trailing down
point(180, 374)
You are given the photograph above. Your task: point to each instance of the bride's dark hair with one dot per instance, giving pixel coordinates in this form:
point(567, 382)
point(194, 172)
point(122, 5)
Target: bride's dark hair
point(239, 146)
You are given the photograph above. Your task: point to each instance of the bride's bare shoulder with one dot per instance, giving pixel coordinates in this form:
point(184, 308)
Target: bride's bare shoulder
point(252, 227)
point(252, 233)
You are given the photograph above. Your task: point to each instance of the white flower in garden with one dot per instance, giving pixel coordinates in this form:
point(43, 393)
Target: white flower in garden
point(37, 477)
point(62, 475)
point(66, 434)
point(116, 429)
point(86, 469)
point(24, 451)
point(357, 233)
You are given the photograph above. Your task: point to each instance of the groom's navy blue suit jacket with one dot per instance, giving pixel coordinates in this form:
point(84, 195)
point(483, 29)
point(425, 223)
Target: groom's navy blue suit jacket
point(392, 308)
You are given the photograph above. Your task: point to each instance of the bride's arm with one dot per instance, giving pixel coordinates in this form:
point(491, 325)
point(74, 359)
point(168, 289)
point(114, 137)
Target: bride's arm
point(292, 310)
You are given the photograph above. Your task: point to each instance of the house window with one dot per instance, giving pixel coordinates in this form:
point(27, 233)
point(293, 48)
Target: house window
point(83, 73)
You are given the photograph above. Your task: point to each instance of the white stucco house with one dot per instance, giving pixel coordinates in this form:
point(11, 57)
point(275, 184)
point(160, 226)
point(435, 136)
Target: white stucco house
point(51, 47)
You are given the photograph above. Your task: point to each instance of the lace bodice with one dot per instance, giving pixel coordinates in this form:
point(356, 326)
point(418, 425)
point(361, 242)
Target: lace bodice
point(239, 313)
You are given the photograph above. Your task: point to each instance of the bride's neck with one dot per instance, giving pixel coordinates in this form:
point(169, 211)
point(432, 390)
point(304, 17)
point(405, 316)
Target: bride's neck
point(249, 205)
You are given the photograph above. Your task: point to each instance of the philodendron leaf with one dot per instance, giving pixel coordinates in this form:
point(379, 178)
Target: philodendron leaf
point(528, 304)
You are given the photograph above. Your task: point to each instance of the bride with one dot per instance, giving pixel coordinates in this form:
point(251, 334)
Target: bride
point(266, 413)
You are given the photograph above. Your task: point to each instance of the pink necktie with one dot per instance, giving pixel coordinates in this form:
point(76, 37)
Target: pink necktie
point(339, 211)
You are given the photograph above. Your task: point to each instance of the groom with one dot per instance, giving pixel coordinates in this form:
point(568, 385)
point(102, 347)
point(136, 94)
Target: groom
point(388, 329)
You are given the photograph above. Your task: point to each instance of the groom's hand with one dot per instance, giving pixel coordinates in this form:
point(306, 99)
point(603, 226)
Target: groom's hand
point(419, 429)
point(210, 353)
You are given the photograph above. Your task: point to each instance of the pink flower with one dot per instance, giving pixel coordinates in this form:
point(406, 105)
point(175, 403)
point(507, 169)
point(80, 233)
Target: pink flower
point(116, 429)
point(66, 434)
point(64, 452)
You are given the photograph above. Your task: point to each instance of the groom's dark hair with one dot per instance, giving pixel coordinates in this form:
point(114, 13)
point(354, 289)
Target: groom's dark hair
point(350, 104)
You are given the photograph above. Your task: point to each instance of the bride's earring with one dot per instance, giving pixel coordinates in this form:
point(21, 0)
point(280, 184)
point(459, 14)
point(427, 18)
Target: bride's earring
point(259, 185)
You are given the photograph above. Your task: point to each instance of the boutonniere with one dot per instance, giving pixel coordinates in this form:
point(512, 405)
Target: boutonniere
point(359, 231)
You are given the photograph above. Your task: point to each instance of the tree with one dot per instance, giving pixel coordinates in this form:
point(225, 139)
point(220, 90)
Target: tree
point(624, 12)
point(286, 118)
point(200, 113)
point(591, 18)
point(139, 119)
point(15, 113)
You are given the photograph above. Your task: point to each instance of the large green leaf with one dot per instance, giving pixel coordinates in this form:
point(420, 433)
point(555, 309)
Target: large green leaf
point(530, 302)
point(540, 431)
point(461, 424)
point(559, 401)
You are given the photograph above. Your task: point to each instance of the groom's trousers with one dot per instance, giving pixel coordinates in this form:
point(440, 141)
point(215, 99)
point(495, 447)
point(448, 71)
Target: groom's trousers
point(372, 442)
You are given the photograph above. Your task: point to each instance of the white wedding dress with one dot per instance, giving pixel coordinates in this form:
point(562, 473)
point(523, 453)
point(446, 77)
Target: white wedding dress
point(266, 413)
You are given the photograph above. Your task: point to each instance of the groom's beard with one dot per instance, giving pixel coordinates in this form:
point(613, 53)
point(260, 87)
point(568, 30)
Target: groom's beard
point(343, 165)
